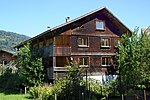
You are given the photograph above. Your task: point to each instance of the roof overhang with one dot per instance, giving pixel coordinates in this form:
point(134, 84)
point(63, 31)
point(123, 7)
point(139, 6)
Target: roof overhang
point(10, 52)
point(52, 32)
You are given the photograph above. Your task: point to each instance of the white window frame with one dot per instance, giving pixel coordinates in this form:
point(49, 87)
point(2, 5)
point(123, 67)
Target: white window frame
point(83, 62)
point(100, 25)
point(105, 40)
point(106, 58)
point(84, 41)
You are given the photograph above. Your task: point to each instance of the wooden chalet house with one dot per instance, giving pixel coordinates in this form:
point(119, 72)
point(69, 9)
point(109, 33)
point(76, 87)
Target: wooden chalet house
point(90, 40)
point(6, 56)
point(146, 30)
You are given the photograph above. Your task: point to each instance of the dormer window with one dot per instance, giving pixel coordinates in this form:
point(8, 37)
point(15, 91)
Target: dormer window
point(100, 25)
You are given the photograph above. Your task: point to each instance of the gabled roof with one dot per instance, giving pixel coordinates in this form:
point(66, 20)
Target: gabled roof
point(104, 9)
point(7, 51)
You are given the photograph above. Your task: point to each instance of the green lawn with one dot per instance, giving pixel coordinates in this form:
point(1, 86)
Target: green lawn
point(13, 96)
point(6, 94)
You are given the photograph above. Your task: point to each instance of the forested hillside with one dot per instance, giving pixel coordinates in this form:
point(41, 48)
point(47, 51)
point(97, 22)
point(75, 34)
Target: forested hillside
point(10, 39)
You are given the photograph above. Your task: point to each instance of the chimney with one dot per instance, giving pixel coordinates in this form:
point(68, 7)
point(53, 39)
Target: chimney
point(67, 19)
point(48, 27)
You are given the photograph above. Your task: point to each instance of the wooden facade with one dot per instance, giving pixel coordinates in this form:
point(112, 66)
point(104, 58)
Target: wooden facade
point(89, 40)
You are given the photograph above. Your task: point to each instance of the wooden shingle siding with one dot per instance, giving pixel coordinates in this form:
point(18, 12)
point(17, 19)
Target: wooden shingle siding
point(62, 51)
point(62, 40)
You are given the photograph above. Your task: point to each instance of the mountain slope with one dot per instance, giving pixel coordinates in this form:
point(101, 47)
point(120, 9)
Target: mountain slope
point(10, 39)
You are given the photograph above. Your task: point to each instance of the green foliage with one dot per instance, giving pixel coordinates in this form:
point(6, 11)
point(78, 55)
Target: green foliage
point(68, 86)
point(9, 39)
point(30, 71)
point(73, 86)
point(2, 70)
point(96, 87)
point(10, 81)
point(42, 92)
point(30, 67)
point(133, 61)
point(144, 57)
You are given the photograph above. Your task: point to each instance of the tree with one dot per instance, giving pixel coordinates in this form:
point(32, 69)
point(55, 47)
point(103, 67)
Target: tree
point(68, 86)
point(133, 61)
point(144, 57)
point(30, 67)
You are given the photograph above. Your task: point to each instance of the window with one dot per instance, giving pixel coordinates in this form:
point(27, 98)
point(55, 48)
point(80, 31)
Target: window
point(105, 42)
point(83, 61)
point(100, 25)
point(106, 61)
point(4, 62)
point(117, 43)
point(83, 42)
point(3, 55)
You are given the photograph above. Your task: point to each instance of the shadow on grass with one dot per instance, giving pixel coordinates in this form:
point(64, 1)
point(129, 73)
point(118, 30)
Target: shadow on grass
point(8, 91)
point(14, 92)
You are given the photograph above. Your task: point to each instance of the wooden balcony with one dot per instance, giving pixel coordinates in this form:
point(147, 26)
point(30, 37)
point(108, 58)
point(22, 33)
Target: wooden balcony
point(46, 51)
point(62, 51)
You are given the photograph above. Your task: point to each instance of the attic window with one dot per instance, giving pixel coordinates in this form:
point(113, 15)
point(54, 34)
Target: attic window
point(100, 25)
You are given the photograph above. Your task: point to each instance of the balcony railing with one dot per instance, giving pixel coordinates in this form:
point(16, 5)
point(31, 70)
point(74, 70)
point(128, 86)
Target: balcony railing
point(62, 51)
point(46, 51)
point(60, 69)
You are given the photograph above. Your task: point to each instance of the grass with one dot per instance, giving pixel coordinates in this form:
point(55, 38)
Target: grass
point(11, 95)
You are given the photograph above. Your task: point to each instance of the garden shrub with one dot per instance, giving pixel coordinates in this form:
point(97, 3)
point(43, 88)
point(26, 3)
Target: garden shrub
point(10, 81)
point(42, 92)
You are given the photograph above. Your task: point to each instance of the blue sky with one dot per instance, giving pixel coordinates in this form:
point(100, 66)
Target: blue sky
point(31, 17)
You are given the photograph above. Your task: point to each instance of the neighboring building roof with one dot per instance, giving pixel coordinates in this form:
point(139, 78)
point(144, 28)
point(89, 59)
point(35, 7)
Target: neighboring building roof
point(7, 51)
point(145, 30)
point(102, 9)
